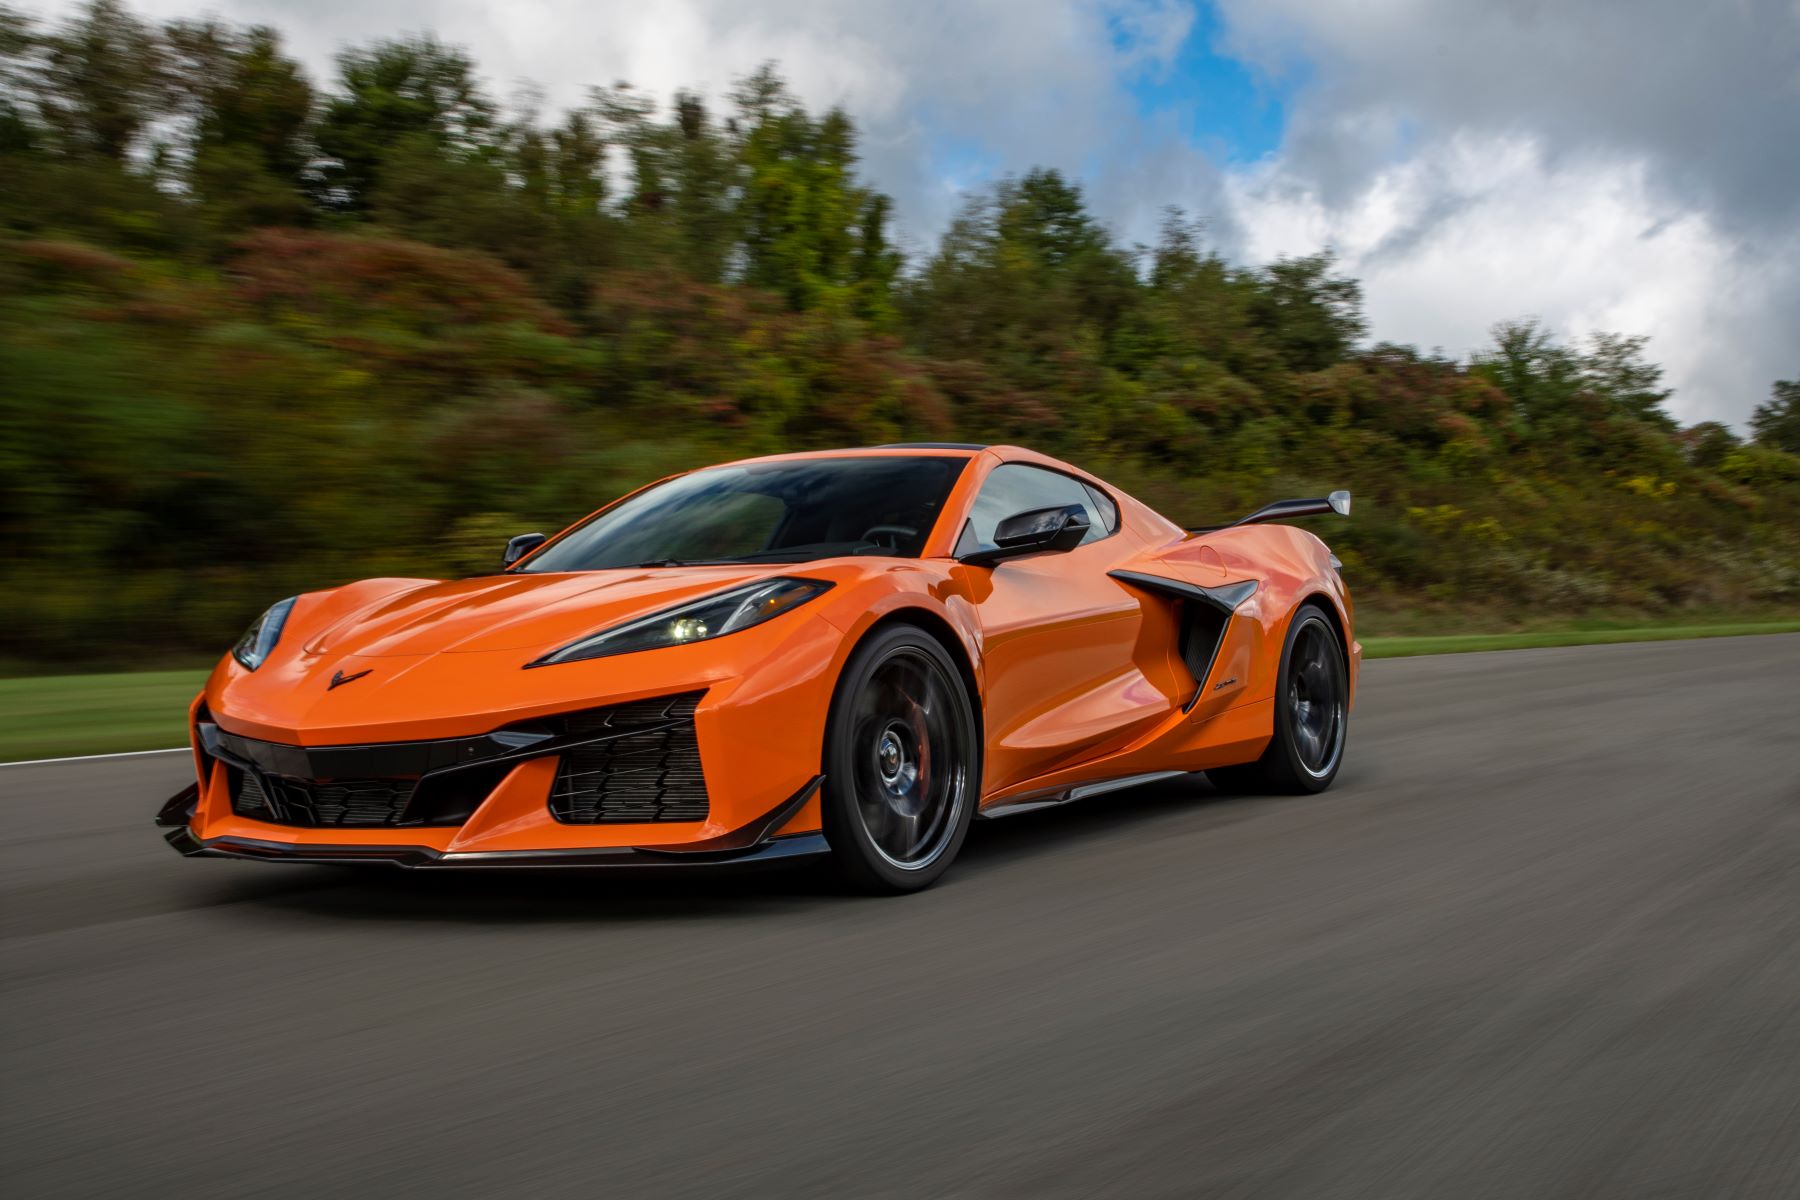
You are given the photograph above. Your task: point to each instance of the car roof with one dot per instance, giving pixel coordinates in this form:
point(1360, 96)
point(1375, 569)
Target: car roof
point(902, 449)
point(1005, 453)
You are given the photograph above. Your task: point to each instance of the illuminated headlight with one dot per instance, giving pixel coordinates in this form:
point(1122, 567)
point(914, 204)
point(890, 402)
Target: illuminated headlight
point(261, 637)
point(696, 621)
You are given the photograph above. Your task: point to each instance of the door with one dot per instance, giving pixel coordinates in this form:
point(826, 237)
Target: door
point(1059, 638)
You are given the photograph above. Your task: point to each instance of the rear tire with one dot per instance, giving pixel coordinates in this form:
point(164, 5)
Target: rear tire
point(1312, 714)
point(902, 763)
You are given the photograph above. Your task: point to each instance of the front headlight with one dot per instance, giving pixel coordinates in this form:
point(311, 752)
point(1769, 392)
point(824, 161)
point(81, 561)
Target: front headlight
point(696, 621)
point(261, 637)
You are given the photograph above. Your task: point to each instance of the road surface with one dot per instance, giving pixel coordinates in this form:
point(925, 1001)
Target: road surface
point(1543, 939)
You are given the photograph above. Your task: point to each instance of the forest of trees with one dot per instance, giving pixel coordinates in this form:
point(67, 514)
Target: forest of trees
point(261, 332)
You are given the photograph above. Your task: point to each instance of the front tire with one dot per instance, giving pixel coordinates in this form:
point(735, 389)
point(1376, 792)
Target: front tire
point(902, 762)
point(1312, 714)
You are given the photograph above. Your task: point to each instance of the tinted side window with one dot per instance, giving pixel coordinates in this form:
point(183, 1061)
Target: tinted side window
point(1103, 504)
point(1014, 488)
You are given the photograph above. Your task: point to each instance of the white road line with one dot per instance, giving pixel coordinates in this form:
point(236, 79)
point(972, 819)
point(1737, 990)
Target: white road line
point(39, 762)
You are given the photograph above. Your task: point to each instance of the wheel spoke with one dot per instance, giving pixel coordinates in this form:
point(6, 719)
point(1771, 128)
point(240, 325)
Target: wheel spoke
point(1307, 735)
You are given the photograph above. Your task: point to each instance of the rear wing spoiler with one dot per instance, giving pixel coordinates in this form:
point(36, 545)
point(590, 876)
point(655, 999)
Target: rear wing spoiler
point(1338, 502)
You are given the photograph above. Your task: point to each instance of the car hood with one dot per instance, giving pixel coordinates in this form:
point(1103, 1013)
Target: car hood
point(511, 612)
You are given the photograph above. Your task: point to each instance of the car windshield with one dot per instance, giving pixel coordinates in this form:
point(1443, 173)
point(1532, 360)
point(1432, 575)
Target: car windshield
point(775, 512)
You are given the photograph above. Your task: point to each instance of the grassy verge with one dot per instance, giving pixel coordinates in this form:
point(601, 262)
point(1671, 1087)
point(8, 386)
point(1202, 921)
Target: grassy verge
point(58, 715)
point(1459, 643)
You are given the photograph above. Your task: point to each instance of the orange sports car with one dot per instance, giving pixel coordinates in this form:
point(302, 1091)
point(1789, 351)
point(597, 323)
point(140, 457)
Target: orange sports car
point(847, 653)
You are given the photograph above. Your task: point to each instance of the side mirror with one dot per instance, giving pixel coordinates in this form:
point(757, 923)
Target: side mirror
point(1041, 529)
point(520, 546)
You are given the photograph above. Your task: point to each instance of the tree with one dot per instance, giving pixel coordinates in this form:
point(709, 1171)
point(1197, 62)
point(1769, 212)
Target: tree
point(460, 200)
point(1312, 316)
point(76, 104)
point(1196, 307)
point(1045, 215)
point(574, 170)
point(1777, 423)
point(410, 96)
point(874, 263)
point(562, 180)
point(104, 81)
point(687, 181)
point(1615, 367)
point(251, 110)
point(705, 182)
point(808, 230)
point(1026, 280)
point(1542, 377)
point(18, 51)
point(1709, 443)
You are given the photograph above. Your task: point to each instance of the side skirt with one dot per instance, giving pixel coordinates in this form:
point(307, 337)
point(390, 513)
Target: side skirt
point(1080, 791)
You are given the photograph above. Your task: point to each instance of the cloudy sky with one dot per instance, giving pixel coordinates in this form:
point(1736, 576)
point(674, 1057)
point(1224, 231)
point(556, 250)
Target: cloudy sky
point(1626, 165)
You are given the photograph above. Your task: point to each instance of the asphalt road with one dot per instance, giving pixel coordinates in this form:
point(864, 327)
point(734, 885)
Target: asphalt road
point(1543, 939)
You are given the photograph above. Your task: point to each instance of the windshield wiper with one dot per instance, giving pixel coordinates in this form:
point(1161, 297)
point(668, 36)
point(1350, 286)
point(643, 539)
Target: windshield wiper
point(759, 556)
point(694, 562)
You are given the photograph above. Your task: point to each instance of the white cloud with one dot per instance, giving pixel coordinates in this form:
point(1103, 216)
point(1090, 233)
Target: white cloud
point(1616, 166)
point(1474, 229)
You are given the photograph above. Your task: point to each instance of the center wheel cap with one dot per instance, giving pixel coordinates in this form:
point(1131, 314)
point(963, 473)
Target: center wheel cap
point(890, 758)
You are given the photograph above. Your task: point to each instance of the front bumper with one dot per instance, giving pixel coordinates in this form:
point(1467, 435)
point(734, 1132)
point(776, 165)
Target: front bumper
point(506, 786)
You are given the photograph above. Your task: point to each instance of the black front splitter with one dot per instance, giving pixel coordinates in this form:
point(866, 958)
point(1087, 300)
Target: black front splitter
point(775, 850)
point(752, 843)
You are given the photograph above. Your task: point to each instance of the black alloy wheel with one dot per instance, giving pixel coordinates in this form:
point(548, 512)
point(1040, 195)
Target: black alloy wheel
point(1315, 696)
point(902, 763)
point(1312, 714)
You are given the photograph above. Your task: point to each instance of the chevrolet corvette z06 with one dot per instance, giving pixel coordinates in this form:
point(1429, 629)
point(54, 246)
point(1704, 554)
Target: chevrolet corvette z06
point(846, 653)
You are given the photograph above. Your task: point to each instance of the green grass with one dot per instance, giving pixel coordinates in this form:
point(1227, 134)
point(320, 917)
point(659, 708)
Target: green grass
point(57, 715)
point(1460, 643)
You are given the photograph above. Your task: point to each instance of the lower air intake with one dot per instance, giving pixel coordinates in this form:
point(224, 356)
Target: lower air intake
point(649, 770)
point(318, 804)
point(1202, 631)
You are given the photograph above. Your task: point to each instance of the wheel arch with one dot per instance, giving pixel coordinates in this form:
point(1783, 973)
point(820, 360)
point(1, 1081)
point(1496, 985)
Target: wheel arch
point(942, 632)
point(1335, 613)
point(1325, 601)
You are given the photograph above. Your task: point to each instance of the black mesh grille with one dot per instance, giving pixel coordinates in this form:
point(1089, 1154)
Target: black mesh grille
point(248, 798)
point(333, 804)
point(651, 772)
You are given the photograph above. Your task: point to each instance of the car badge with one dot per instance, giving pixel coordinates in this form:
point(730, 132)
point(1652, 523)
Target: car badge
point(340, 678)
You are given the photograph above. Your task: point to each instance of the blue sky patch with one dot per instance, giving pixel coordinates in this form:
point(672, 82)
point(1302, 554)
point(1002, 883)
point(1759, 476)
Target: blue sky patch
point(1227, 109)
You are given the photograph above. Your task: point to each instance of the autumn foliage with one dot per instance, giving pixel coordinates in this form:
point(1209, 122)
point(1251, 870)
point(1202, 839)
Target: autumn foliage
point(259, 335)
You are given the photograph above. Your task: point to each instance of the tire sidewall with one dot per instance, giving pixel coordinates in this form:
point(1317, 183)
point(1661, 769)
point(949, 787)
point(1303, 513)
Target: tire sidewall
point(850, 842)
